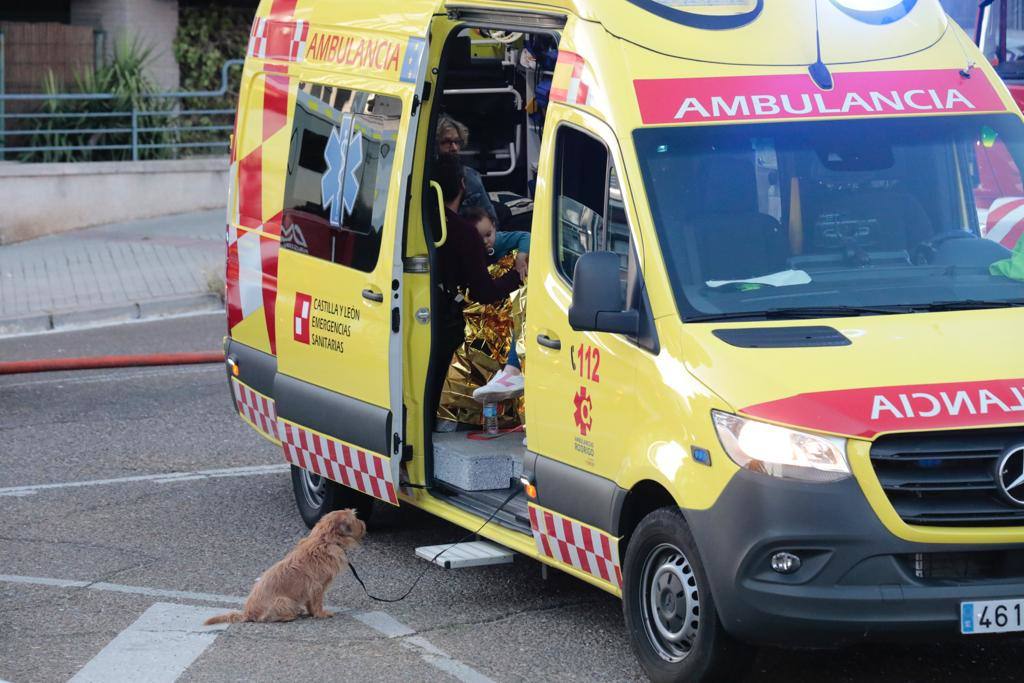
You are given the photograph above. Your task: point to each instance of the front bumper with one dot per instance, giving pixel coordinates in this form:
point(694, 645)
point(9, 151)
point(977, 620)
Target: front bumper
point(857, 582)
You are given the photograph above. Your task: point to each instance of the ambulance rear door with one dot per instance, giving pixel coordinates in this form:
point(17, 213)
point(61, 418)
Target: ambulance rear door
point(339, 381)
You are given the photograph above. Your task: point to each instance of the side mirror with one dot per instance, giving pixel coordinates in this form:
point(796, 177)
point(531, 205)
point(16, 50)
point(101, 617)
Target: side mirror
point(597, 301)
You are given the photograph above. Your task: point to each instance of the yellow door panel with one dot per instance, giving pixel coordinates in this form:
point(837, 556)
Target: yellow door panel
point(580, 385)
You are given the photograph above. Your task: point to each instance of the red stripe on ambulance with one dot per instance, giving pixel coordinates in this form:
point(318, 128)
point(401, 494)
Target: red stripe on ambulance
point(871, 411)
point(364, 471)
point(795, 96)
point(257, 408)
point(565, 540)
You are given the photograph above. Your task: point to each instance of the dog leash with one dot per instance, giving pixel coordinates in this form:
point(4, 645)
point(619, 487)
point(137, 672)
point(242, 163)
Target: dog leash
point(434, 558)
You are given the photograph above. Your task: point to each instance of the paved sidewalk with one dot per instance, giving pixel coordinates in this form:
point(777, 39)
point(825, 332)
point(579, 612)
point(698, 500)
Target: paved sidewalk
point(158, 266)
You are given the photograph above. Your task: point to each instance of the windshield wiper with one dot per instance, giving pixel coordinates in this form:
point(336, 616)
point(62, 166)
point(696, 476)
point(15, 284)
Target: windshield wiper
point(801, 313)
point(969, 305)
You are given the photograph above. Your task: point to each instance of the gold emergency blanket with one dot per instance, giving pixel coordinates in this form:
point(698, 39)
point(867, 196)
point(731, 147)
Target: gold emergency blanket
point(489, 333)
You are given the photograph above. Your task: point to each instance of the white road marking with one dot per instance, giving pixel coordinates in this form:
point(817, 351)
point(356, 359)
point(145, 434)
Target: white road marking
point(161, 593)
point(118, 588)
point(381, 622)
point(439, 659)
point(157, 648)
point(163, 478)
point(43, 581)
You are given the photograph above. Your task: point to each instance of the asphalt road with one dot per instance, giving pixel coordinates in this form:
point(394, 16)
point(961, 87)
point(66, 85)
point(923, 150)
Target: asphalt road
point(90, 570)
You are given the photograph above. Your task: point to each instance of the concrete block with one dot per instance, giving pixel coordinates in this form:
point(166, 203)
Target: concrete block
point(473, 465)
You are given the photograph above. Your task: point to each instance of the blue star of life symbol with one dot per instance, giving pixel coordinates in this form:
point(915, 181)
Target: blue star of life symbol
point(339, 185)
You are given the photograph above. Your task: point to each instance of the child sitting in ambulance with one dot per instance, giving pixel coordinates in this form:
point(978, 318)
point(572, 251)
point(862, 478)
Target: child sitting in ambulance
point(509, 380)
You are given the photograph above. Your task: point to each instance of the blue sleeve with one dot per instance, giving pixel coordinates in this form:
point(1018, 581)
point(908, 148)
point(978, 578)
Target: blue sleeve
point(476, 195)
point(504, 242)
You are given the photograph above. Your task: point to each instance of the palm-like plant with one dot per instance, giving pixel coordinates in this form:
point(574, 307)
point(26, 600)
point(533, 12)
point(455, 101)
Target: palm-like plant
point(105, 124)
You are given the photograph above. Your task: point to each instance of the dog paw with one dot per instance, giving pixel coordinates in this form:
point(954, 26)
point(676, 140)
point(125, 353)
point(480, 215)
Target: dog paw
point(325, 615)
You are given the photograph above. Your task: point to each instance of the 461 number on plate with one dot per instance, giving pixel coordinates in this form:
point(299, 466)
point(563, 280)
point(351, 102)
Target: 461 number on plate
point(992, 616)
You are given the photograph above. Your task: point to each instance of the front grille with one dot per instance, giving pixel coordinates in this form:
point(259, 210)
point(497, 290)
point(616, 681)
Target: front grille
point(980, 565)
point(947, 478)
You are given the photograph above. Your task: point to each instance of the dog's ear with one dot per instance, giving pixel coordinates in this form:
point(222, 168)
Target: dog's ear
point(344, 523)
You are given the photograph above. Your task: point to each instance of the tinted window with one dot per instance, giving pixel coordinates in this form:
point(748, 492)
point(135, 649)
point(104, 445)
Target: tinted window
point(339, 174)
point(769, 218)
point(590, 215)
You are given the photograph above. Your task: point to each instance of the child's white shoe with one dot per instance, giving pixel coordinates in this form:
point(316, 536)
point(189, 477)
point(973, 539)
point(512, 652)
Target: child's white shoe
point(503, 385)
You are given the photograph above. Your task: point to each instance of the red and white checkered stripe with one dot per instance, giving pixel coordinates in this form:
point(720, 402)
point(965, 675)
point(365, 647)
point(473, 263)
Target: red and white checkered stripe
point(257, 408)
point(282, 40)
point(588, 549)
point(297, 49)
point(258, 38)
point(357, 469)
point(1005, 221)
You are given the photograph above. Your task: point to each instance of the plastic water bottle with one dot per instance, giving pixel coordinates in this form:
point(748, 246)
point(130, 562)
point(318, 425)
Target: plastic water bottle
point(491, 418)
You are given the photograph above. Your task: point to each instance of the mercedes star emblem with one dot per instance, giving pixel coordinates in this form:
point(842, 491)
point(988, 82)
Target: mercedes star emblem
point(1011, 475)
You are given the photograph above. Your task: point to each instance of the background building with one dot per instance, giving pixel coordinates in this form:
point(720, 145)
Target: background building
point(68, 36)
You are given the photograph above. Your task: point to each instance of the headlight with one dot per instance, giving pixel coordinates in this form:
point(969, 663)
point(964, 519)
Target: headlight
point(781, 452)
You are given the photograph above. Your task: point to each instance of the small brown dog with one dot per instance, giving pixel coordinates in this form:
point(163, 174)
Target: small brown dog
point(299, 581)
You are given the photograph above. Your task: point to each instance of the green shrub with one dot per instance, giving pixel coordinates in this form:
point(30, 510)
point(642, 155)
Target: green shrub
point(126, 78)
point(207, 37)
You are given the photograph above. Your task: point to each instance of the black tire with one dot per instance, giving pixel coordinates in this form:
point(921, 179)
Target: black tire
point(315, 496)
point(679, 637)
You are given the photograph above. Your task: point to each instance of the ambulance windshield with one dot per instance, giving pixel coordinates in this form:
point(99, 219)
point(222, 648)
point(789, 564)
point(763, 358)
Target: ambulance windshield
point(839, 217)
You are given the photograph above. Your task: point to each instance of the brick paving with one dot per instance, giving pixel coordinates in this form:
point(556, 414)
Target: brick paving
point(113, 264)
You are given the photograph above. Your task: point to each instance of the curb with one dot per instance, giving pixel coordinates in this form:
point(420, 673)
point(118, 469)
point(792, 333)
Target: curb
point(117, 313)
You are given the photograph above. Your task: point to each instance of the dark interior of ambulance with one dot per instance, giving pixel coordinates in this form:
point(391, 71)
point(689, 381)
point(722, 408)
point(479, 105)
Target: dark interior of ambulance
point(495, 82)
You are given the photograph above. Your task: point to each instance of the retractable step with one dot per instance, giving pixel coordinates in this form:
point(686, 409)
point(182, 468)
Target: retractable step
point(463, 555)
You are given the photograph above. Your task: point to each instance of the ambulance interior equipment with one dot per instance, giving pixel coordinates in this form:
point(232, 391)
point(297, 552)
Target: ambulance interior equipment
point(845, 215)
point(491, 81)
point(488, 79)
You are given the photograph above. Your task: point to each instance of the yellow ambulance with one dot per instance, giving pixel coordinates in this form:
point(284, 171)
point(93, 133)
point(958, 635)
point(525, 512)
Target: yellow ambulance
point(773, 352)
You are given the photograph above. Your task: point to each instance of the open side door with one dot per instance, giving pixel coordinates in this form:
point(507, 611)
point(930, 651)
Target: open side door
point(338, 385)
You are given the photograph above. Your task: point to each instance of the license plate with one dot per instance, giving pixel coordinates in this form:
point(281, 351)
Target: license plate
point(991, 616)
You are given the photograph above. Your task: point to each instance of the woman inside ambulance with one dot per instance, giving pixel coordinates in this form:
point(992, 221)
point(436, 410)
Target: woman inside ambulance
point(839, 218)
point(462, 269)
point(452, 137)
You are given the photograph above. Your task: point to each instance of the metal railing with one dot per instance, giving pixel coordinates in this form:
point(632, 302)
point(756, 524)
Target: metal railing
point(157, 125)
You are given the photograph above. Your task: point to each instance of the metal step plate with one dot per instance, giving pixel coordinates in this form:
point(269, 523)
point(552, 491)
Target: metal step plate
point(462, 555)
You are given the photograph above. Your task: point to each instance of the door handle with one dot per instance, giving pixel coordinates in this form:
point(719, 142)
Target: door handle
point(371, 295)
point(547, 342)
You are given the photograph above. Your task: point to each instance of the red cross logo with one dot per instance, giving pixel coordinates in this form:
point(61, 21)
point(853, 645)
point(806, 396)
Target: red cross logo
point(303, 303)
point(583, 414)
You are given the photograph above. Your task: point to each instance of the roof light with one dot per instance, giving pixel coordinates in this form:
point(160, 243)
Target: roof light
point(876, 11)
point(712, 15)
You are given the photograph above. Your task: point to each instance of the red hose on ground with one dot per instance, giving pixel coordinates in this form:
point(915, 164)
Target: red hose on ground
point(102, 362)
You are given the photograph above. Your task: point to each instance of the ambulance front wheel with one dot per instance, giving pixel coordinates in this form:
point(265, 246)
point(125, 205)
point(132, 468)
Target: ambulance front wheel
point(316, 496)
point(670, 613)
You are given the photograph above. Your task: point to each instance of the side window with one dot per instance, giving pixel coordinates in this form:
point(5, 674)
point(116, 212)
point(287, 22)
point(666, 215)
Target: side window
point(590, 213)
point(582, 182)
point(339, 174)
